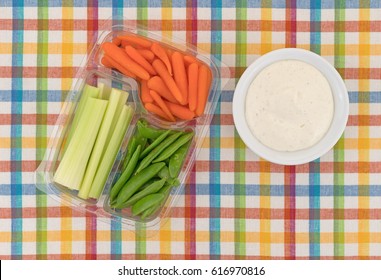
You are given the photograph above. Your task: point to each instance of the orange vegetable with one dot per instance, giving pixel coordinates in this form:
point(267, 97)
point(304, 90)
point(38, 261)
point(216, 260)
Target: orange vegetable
point(116, 41)
point(180, 74)
point(138, 58)
point(119, 67)
point(179, 111)
point(145, 96)
point(161, 104)
point(157, 84)
point(120, 56)
point(124, 44)
point(204, 79)
point(162, 55)
point(150, 107)
point(106, 63)
point(188, 60)
point(147, 54)
point(192, 86)
point(160, 68)
point(137, 40)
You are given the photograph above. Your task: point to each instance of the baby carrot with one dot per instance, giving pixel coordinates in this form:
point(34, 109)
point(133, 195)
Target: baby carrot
point(179, 111)
point(106, 63)
point(123, 59)
point(180, 74)
point(157, 84)
point(188, 60)
point(137, 40)
point(124, 43)
point(147, 54)
point(160, 68)
point(161, 104)
point(138, 58)
point(119, 67)
point(162, 55)
point(202, 89)
point(150, 107)
point(145, 96)
point(116, 41)
point(192, 86)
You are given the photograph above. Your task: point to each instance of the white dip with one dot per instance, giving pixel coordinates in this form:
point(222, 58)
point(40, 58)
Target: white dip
point(289, 105)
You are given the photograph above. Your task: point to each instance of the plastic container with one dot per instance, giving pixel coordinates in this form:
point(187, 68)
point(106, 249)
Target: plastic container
point(92, 72)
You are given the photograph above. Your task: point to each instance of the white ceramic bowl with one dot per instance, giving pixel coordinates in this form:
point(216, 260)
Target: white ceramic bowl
point(340, 98)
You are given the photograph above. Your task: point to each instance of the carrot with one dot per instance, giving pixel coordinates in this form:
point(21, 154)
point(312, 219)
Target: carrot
point(116, 41)
point(179, 111)
point(161, 104)
point(138, 58)
point(124, 44)
point(106, 63)
point(137, 40)
point(119, 67)
point(180, 74)
point(124, 60)
point(202, 88)
point(159, 66)
point(147, 54)
point(150, 107)
point(162, 55)
point(157, 84)
point(188, 60)
point(145, 96)
point(192, 85)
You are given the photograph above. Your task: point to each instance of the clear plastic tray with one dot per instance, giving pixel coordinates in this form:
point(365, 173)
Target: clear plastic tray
point(92, 72)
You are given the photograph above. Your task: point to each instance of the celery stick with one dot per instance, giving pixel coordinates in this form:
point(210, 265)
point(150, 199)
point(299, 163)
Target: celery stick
point(72, 167)
point(122, 102)
point(100, 144)
point(107, 162)
point(87, 92)
point(104, 91)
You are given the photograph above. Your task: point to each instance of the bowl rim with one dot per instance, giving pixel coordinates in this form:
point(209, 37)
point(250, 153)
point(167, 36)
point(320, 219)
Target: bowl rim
point(339, 119)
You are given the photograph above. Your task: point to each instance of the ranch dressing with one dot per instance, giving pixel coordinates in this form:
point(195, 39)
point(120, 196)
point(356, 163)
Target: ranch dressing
point(289, 106)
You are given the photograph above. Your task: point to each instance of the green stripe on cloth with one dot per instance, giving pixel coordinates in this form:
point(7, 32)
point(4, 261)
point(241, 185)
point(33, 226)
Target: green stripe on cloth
point(41, 121)
point(339, 148)
point(240, 148)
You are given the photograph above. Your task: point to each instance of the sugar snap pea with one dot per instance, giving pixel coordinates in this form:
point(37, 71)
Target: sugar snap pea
point(148, 132)
point(174, 147)
point(164, 173)
point(136, 181)
point(164, 190)
point(131, 147)
point(156, 152)
point(152, 188)
point(146, 202)
point(154, 144)
point(125, 175)
point(176, 160)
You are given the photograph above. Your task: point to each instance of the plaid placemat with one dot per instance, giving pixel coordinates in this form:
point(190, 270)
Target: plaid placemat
point(235, 205)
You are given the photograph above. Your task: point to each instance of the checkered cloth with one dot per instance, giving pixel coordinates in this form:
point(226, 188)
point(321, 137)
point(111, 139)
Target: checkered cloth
point(234, 205)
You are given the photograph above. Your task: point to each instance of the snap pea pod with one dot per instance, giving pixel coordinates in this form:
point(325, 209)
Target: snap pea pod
point(174, 147)
point(154, 144)
point(152, 188)
point(146, 202)
point(136, 182)
point(147, 213)
point(156, 152)
point(177, 159)
point(130, 148)
point(125, 175)
point(164, 173)
point(148, 132)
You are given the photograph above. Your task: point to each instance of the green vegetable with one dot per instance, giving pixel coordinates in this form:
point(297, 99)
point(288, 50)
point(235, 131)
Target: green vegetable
point(148, 132)
point(72, 167)
point(174, 147)
point(125, 175)
point(111, 152)
point(154, 144)
point(104, 91)
point(146, 202)
point(176, 160)
point(131, 147)
point(136, 182)
point(148, 212)
point(100, 144)
point(152, 188)
point(156, 152)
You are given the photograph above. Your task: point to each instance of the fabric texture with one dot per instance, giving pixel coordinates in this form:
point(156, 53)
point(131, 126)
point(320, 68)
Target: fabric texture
point(235, 205)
